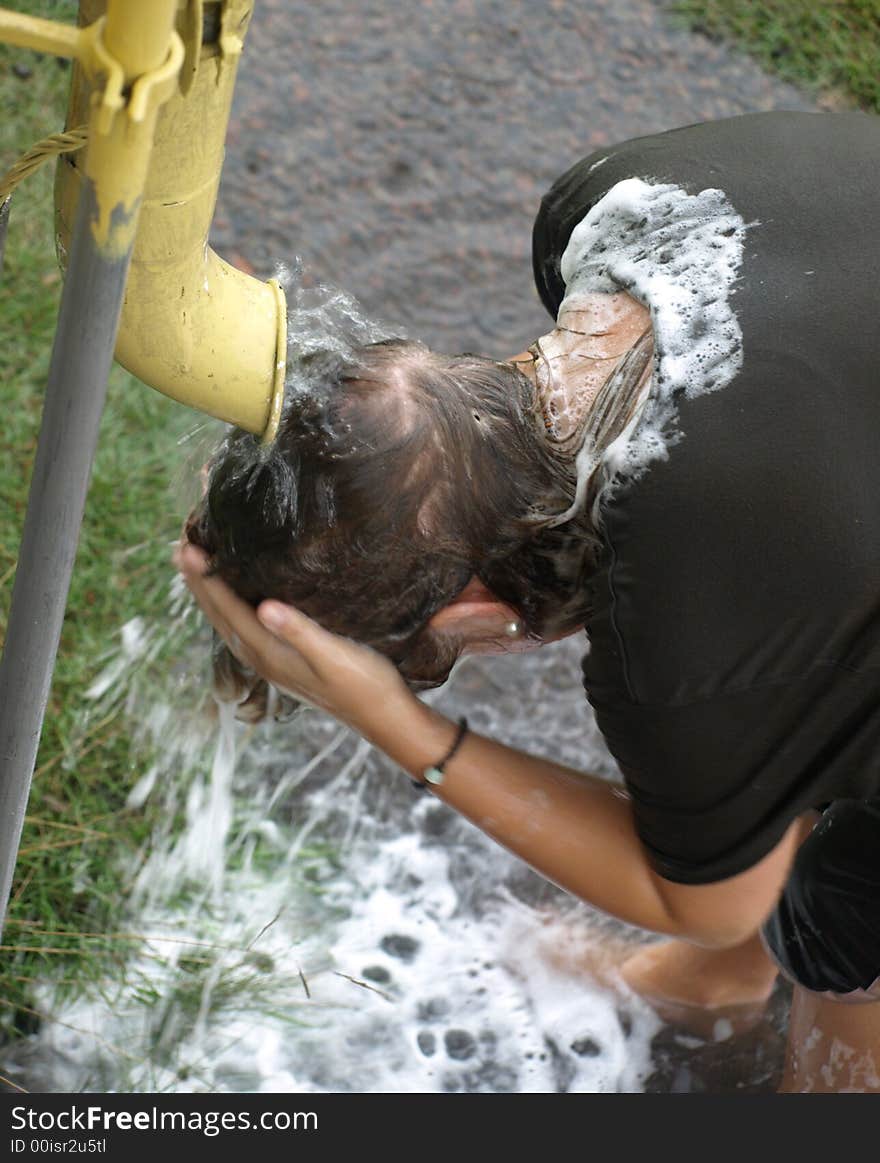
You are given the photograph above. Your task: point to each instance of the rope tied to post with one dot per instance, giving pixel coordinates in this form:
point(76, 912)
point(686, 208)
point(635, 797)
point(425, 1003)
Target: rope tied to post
point(56, 144)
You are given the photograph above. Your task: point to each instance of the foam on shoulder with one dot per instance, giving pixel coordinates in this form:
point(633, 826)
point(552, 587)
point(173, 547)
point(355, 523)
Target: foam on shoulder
point(679, 254)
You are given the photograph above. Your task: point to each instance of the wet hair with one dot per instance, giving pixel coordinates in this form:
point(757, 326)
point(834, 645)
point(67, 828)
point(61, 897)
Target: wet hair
point(397, 475)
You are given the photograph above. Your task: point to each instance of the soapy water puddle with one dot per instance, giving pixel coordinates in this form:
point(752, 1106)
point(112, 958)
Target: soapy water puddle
point(318, 925)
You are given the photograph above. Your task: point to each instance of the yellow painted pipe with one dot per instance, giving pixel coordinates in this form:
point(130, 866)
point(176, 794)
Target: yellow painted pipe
point(136, 34)
point(192, 326)
point(60, 40)
point(122, 128)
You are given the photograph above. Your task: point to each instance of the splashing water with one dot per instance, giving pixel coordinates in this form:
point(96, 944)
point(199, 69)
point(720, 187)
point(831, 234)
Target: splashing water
point(315, 925)
point(321, 318)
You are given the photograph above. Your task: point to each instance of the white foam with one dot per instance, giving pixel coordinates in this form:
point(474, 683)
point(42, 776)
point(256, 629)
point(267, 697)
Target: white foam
point(679, 254)
point(407, 992)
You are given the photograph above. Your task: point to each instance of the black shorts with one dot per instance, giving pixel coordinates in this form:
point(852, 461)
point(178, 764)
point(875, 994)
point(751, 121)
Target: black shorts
point(825, 931)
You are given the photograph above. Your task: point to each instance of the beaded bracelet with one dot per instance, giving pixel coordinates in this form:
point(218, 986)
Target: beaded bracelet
point(435, 774)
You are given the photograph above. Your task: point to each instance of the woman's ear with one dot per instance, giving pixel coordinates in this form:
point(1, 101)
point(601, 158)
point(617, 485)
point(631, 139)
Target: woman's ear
point(476, 615)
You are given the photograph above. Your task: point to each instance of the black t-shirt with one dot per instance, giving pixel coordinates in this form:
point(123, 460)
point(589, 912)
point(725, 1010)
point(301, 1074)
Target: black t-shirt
point(734, 662)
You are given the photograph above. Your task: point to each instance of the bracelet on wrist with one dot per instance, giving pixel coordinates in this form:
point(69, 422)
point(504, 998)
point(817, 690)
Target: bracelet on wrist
point(435, 774)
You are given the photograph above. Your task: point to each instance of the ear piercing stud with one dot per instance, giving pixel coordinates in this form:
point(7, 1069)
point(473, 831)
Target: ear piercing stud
point(512, 629)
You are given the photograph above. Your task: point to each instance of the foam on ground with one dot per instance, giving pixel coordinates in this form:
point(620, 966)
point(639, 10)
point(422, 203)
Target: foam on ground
point(318, 926)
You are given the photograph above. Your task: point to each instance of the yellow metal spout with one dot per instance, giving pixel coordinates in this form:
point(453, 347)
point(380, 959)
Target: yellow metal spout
point(192, 326)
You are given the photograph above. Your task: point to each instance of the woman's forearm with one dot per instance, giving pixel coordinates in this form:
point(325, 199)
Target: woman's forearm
point(575, 829)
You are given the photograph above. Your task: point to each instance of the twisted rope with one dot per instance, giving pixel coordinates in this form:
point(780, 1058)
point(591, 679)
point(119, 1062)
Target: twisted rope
point(58, 143)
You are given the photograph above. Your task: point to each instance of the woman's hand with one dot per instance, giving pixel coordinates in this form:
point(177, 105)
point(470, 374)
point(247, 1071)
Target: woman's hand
point(352, 682)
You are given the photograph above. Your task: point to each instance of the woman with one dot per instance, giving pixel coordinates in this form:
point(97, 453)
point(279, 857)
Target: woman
point(686, 467)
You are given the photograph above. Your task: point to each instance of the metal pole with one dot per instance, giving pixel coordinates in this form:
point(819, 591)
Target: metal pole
point(77, 386)
point(4, 226)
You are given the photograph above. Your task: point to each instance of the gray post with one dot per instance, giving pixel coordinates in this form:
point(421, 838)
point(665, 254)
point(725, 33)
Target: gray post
point(4, 225)
point(77, 386)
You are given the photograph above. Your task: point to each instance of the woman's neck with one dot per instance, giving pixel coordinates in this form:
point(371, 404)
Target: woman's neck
point(571, 363)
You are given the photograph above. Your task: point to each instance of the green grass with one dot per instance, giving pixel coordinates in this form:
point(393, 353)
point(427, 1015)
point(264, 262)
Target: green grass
point(832, 49)
point(77, 829)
